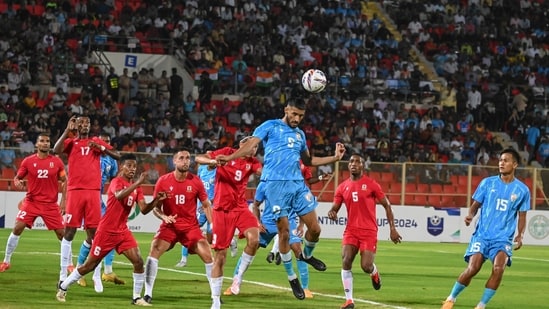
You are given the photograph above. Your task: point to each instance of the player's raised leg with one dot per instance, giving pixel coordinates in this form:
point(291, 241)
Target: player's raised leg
point(286, 256)
point(138, 275)
point(158, 247)
point(82, 255)
point(246, 259)
point(310, 240)
point(88, 266)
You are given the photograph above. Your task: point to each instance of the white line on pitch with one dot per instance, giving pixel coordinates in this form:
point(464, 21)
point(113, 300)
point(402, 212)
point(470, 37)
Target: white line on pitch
point(272, 286)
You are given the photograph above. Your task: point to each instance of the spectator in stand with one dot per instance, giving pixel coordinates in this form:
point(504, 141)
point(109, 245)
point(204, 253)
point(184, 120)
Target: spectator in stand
point(176, 86)
point(474, 102)
point(113, 82)
point(152, 83)
point(58, 100)
point(234, 118)
point(205, 89)
point(62, 80)
point(543, 152)
point(124, 84)
point(26, 147)
point(109, 129)
point(44, 80)
point(163, 85)
point(7, 155)
point(134, 85)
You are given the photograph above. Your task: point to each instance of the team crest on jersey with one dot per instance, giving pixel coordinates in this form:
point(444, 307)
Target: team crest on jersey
point(51, 164)
point(171, 188)
point(248, 167)
point(364, 187)
point(514, 197)
point(34, 164)
point(189, 188)
point(298, 136)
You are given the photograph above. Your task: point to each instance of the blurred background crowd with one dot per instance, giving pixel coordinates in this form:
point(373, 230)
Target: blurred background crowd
point(409, 81)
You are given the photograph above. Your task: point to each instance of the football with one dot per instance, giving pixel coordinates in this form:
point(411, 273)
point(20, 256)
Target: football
point(314, 80)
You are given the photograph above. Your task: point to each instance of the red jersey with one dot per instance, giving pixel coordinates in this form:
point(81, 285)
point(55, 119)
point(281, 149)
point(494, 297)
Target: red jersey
point(183, 196)
point(84, 163)
point(231, 179)
point(305, 171)
point(42, 177)
point(360, 198)
point(116, 216)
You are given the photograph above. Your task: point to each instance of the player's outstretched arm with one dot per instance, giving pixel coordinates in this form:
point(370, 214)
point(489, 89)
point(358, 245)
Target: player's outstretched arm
point(332, 213)
point(147, 207)
point(63, 202)
point(113, 153)
point(395, 236)
point(18, 182)
point(520, 230)
point(205, 159)
point(316, 161)
point(159, 213)
point(207, 206)
point(244, 150)
point(60, 144)
point(472, 212)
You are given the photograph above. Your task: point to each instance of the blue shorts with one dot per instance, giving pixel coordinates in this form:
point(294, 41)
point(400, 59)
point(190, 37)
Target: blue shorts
point(272, 230)
point(203, 220)
point(488, 248)
point(286, 196)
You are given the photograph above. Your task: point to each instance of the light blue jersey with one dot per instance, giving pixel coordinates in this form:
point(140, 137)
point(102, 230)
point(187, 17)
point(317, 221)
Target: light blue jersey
point(497, 223)
point(208, 179)
point(109, 170)
point(286, 191)
point(283, 147)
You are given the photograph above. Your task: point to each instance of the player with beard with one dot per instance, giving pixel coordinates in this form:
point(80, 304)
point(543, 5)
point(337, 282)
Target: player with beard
point(83, 185)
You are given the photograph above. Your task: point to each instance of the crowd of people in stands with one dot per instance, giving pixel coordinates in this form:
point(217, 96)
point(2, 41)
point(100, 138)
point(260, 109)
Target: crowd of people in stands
point(491, 53)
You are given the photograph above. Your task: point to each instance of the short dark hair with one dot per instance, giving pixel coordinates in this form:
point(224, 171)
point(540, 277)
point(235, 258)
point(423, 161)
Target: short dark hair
point(298, 103)
point(181, 149)
point(127, 156)
point(513, 152)
point(42, 134)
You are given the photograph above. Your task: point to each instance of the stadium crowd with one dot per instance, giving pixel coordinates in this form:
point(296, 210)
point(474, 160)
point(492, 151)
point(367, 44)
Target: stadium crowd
point(491, 53)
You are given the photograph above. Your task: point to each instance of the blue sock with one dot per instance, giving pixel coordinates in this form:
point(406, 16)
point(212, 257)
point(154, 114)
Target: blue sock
point(108, 258)
point(303, 269)
point(458, 287)
point(184, 251)
point(237, 266)
point(287, 262)
point(488, 294)
point(308, 248)
point(84, 251)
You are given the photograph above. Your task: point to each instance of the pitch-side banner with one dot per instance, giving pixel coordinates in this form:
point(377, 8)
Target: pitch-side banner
point(536, 233)
point(413, 223)
point(426, 224)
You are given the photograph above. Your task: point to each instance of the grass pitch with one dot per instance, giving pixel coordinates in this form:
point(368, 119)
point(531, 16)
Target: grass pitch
point(414, 275)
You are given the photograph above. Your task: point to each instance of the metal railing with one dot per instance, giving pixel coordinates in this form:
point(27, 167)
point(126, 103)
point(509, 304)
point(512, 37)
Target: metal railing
point(410, 183)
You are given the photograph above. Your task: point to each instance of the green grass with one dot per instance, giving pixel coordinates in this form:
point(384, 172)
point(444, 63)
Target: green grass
point(415, 275)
